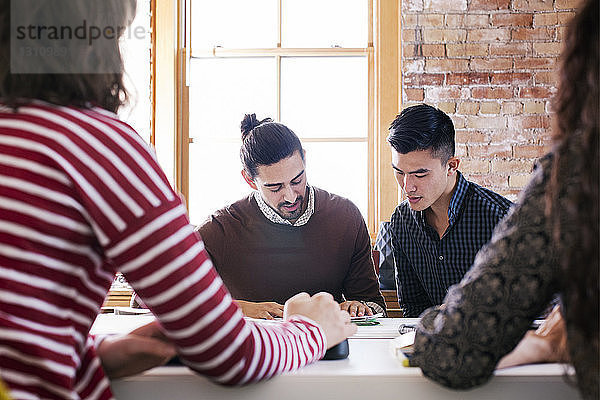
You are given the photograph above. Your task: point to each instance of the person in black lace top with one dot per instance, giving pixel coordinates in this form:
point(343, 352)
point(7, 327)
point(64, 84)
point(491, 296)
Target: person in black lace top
point(548, 243)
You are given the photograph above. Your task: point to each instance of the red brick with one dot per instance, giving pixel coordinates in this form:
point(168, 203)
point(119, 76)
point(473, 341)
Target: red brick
point(413, 66)
point(507, 49)
point(467, 50)
point(511, 166)
point(448, 107)
point(428, 20)
point(492, 92)
point(490, 150)
point(493, 64)
point(414, 94)
point(520, 122)
point(459, 121)
point(470, 136)
point(460, 150)
point(552, 48)
point(444, 35)
point(534, 107)
point(411, 35)
point(546, 77)
point(488, 35)
point(566, 4)
point(533, 5)
point(423, 79)
point(445, 5)
point(468, 20)
point(545, 19)
point(535, 92)
point(565, 17)
point(468, 107)
point(475, 166)
point(446, 65)
point(433, 50)
point(409, 20)
point(536, 63)
point(529, 151)
point(541, 33)
point(468, 78)
point(512, 20)
point(560, 33)
point(518, 180)
point(511, 108)
point(484, 122)
point(443, 92)
point(411, 50)
point(489, 180)
point(489, 107)
point(511, 78)
point(489, 5)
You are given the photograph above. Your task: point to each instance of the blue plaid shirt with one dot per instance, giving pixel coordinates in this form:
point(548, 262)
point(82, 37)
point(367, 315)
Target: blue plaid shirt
point(426, 266)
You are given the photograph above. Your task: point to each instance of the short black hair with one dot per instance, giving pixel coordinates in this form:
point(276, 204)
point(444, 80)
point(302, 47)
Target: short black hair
point(266, 142)
point(423, 127)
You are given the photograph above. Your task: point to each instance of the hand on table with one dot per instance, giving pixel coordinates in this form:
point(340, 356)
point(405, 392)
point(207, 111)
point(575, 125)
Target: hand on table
point(143, 348)
point(356, 308)
point(547, 344)
point(266, 310)
point(322, 309)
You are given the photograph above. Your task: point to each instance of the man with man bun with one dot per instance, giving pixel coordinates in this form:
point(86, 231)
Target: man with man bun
point(287, 236)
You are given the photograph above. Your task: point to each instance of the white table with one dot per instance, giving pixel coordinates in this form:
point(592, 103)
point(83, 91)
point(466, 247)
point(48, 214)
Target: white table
point(369, 373)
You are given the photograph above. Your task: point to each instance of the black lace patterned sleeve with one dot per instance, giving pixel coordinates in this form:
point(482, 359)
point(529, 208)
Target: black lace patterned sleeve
point(483, 317)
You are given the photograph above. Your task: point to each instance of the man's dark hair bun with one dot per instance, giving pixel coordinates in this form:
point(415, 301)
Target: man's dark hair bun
point(250, 122)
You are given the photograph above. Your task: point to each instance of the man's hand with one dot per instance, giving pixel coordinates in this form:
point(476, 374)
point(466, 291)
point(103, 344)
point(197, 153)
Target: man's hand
point(322, 309)
point(143, 348)
point(266, 310)
point(547, 344)
point(356, 308)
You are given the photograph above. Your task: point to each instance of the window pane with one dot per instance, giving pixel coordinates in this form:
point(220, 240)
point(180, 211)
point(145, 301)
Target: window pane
point(222, 90)
point(135, 47)
point(215, 178)
point(325, 96)
point(233, 23)
point(340, 168)
point(324, 23)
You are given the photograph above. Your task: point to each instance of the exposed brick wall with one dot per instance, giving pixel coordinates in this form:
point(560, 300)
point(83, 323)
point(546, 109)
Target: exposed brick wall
point(491, 65)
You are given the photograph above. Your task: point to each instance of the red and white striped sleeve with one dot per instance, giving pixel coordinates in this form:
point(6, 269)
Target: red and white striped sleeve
point(119, 209)
point(164, 260)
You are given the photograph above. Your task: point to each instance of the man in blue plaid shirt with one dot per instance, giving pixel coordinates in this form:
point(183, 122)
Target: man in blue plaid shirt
point(445, 219)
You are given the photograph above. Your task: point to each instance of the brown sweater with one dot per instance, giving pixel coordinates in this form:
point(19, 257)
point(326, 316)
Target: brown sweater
point(263, 261)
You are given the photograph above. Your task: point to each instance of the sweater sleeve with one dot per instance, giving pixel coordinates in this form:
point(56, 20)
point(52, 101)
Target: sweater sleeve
point(483, 317)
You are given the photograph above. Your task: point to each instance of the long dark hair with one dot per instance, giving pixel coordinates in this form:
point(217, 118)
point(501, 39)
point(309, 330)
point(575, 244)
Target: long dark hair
point(265, 142)
point(574, 208)
point(103, 89)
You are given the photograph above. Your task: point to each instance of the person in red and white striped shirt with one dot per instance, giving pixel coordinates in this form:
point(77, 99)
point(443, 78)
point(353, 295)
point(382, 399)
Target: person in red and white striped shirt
point(81, 197)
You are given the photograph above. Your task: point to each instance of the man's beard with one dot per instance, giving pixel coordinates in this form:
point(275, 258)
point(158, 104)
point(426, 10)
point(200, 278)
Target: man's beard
point(291, 215)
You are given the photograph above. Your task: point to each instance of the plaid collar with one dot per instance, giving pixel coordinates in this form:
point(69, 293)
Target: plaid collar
point(272, 216)
point(456, 201)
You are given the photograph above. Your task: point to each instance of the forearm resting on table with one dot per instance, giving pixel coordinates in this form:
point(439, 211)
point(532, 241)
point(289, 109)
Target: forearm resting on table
point(263, 310)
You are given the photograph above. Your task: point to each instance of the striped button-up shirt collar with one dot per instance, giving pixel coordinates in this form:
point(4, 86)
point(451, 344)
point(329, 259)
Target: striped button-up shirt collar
point(455, 202)
point(272, 216)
